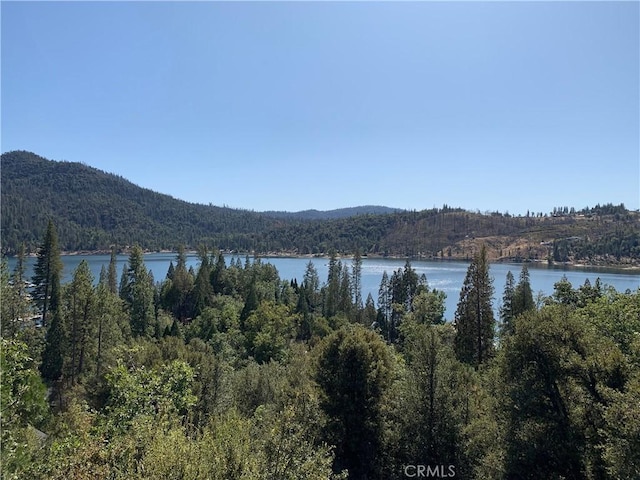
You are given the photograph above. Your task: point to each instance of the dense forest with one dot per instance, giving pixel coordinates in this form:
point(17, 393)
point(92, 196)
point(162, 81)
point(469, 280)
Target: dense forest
point(94, 210)
point(231, 372)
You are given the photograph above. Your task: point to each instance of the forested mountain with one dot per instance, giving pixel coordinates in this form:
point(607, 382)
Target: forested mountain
point(94, 210)
point(333, 214)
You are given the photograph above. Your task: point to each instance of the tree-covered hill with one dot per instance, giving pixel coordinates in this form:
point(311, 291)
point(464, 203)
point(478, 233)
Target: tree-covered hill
point(333, 214)
point(93, 210)
point(591, 236)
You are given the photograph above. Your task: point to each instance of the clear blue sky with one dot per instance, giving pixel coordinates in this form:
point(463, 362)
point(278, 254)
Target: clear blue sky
point(503, 106)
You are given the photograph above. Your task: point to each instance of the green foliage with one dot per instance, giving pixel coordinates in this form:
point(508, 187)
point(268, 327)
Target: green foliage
point(269, 330)
point(565, 384)
point(433, 407)
point(523, 295)
point(263, 378)
point(219, 325)
point(354, 372)
point(137, 290)
point(24, 407)
point(81, 321)
point(46, 274)
point(54, 350)
point(474, 320)
point(94, 210)
point(506, 309)
point(145, 392)
point(16, 306)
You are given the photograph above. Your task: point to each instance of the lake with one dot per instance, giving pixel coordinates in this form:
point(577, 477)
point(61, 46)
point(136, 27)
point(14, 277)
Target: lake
point(444, 275)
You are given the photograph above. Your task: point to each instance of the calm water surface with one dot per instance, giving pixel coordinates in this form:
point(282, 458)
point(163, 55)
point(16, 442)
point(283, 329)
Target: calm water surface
point(447, 276)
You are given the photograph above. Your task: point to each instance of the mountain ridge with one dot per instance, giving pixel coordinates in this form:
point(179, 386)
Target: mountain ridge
point(345, 212)
point(94, 210)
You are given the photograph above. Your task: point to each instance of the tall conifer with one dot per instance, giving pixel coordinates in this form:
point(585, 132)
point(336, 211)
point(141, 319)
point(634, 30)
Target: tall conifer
point(506, 310)
point(112, 274)
point(523, 295)
point(474, 321)
point(137, 290)
point(47, 271)
point(55, 339)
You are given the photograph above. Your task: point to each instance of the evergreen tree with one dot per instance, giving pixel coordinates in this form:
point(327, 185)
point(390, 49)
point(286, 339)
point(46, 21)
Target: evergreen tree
point(564, 293)
point(202, 289)
point(523, 295)
point(429, 306)
point(7, 314)
point(171, 271)
point(218, 281)
point(21, 296)
point(137, 290)
point(112, 274)
point(410, 282)
point(369, 314)
point(309, 290)
point(384, 305)
point(47, 271)
point(109, 310)
point(81, 316)
point(506, 309)
point(251, 303)
point(354, 372)
point(14, 298)
point(474, 320)
point(176, 295)
point(331, 292)
point(345, 298)
point(55, 339)
point(356, 284)
point(433, 403)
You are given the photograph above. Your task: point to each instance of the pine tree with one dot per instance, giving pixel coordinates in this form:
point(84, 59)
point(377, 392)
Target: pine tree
point(202, 293)
point(369, 312)
point(384, 305)
point(332, 288)
point(177, 295)
point(47, 272)
point(354, 371)
point(251, 303)
point(81, 318)
point(55, 339)
point(137, 290)
point(14, 299)
point(112, 274)
point(22, 300)
point(474, 321)
point(7, 314)
point(506, 310)
point(217, 276)
point(356, 284)
point(109, 309)
point(345, 304)
point(523, 295)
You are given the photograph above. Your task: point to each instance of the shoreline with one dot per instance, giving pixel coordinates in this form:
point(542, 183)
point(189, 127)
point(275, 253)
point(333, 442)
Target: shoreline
point(626, 267)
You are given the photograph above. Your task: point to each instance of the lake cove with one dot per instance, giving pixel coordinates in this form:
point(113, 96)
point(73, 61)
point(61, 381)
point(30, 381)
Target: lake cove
point(444, 275)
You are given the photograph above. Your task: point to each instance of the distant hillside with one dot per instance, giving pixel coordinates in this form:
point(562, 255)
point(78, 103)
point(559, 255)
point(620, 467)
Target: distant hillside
point(601, 236)
point(333, 214)
point(93, 210)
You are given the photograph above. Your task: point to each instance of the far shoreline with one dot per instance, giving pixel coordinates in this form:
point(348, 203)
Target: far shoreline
point(625, 267)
